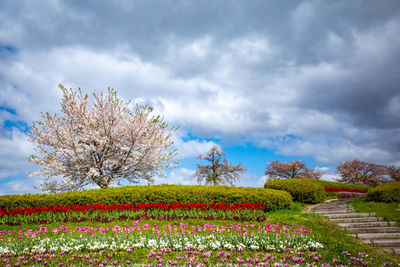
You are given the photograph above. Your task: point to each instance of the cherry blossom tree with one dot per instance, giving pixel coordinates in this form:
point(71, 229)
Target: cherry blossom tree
point(219, 171)
point(393, 172)
point(99, 144)
point(361, 172)
point(291, 169)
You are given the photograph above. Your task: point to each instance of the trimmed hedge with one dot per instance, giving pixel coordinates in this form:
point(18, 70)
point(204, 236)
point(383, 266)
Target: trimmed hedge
point(302, 190)
point(329, 184)
point(271, 199)
point(389, 192)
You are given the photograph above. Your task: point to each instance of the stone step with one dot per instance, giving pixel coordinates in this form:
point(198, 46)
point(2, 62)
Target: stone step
point(331, 211)
point(378, 235)
point(365, 224)
point(382, 242)
point(392, 250)
point(350, 215)
point(333, 206)
point(346, 209)
point(360, 219)
point(374, 230)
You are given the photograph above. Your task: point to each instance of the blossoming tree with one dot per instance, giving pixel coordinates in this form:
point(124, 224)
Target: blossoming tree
point(220, 171)
point(362, 172)
point(99, 144)
point(291, 169)
point(393, 172)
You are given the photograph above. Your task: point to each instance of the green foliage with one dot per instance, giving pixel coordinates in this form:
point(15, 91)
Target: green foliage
point(303, 190)
point(271, 199)
point(328, 184)
point(389, 192)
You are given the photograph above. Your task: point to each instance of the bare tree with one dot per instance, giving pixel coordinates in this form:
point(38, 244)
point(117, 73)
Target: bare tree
point(291, 169)
point(361, 172)
point(220, 171)
point(100, 144)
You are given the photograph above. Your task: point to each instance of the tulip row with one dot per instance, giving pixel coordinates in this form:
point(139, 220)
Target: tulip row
point(159, 211)
point(189, 257)
point(273, 237)
point(237, 207)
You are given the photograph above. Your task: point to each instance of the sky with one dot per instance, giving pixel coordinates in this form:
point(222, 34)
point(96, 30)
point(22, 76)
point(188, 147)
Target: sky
point(317, 81)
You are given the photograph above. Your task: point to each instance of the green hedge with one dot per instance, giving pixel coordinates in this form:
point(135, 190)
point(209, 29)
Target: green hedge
point(271, 199)
point(389, 192)
point(302, 190)
point(328, 184)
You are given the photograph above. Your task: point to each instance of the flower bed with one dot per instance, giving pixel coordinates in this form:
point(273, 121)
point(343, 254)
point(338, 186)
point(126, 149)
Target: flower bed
point(49, 244)
point(168, 245)
point(350, 194)
point(333, 190)
point(160, 211)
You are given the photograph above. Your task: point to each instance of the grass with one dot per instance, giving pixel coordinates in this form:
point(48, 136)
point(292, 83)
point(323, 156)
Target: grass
point(390, 211)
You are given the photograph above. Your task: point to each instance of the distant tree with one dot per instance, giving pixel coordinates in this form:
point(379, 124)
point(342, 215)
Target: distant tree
point(361, 172)
point(291, 169)
point(219, 171)
point(393, 172)
point(100, 144)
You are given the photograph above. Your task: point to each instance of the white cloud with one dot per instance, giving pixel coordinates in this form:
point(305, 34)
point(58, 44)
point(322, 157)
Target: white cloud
point(190, 148)
point(251, 180)
point(14, 152)
point(21, 186)
point(180, 176)
point(321, 83)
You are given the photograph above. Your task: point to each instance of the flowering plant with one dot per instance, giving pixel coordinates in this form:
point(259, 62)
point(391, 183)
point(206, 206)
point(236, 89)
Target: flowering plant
point(105, 213)
point(328, 189)
point(350, 194)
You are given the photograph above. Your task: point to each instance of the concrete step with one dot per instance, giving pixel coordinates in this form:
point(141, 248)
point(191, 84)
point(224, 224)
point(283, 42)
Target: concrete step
point(360, 219)
point(365, 224)
point(317, 211)
point(333, 206)
point(382, 242)
point(345, 209)
point(350, 215)
point(374, 230)
point(392, 250)
point(378, 235)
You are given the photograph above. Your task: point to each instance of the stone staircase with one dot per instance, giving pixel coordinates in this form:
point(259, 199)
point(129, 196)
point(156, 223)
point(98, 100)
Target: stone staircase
point(367, 227)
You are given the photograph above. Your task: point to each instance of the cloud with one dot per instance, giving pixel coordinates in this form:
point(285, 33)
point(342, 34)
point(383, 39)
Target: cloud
point(251, 180)
point(21, 186)
point(305, 79)
point(189, 148)
point(180, 176)
point(14, 152)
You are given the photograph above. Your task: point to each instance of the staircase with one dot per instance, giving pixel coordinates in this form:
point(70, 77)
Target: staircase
point(369, 228)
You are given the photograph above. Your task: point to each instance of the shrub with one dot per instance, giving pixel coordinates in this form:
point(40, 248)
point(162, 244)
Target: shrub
point(302, 190)
point(389, 192)
point(271, 199)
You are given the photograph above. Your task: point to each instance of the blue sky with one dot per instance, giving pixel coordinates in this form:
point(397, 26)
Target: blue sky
point(265, 80)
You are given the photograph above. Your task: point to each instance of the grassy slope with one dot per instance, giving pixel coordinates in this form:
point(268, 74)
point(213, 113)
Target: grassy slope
point(390, 211)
